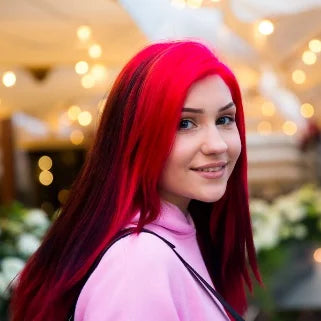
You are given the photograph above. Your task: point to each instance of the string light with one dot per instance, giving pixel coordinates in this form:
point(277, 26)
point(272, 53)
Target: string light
point(9, 79)
point(73, 112)
point(289, 128)
point(298, 76)
point(307, 110)
point(45, 178)
point(309, 57)
point(95, 51)
point(83, 33)
point(264, 127)
point(266, 27)
point(77, 137)
point(315, 45)
point(45, 163)
point(81, 67)
point(84, 118)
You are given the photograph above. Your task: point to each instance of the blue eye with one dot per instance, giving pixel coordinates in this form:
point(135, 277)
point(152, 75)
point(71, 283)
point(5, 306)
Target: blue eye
point(225, 120)
point(186, 124)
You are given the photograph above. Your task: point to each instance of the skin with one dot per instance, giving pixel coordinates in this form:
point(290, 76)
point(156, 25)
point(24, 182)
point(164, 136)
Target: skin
point(205, 135)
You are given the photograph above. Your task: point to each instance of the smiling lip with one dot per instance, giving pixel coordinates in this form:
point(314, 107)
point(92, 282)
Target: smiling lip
point(218, 170)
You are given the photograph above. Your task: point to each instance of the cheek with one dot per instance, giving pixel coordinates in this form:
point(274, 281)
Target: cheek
point(234, 146)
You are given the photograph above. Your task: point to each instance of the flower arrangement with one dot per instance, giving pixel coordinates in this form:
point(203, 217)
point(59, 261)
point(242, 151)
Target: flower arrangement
point(296, 215)
point(284, 229)
point(21, 231)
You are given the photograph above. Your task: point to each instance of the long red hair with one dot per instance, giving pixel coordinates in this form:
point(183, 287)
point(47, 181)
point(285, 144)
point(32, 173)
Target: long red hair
point(120, 177)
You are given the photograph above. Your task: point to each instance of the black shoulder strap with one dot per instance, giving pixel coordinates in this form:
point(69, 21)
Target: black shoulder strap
point(204, 284)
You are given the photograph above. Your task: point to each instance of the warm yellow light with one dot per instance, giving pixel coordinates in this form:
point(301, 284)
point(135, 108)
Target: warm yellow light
point(73, 112)
point(99, 72)
point(63, 196)
point(178, 3)
point(264, 127)
point(84, 118)
point(289, 128)
point(317, 255)
point(298, 76)
point(83, 33)
point(194, 3)
point(9, 79)
point(216, 0)
point(309, 57)
point(45, 178)
point(266, 27)
point(268, 109)
point(81, 67)
point(77, 137)
point(307, 110)
point(95, 51)
point(88, 81)
point(45, 163)
point(315, 45)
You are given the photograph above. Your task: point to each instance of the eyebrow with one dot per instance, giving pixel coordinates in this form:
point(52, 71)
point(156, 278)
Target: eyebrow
point(201, 111)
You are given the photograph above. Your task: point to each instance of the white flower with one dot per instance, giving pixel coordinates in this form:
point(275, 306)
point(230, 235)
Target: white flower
point(27, 244)
point(37, 218)
point(4, 293)
point(11, 267)
point(289, 208)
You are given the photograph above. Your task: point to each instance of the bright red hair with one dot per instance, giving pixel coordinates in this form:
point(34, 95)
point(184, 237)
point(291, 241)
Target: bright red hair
point(120, 177)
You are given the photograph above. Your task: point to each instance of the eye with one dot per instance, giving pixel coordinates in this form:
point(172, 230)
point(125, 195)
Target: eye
point(186, 124)
point(225, 120)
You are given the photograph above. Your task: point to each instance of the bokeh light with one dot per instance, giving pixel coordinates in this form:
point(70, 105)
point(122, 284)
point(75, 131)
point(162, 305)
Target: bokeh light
point(9, 79)
point(289, 128)
point(83, 32)
point(77, 137)
point(45, 163)
point(95, 51)
point(307, 110)
point(73, 112)
point(84, 118)
point(45, 178)
point(309, 57)
point(315, 45)
point(298, 76)
point(81, 67)
point(266, 27)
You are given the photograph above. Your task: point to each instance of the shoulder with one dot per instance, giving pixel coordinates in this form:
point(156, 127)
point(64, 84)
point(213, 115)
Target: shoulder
point(138, 271)
point(144, 249)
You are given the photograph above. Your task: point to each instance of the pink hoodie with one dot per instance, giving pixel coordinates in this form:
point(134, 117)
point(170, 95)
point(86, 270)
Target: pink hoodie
point(140, 278)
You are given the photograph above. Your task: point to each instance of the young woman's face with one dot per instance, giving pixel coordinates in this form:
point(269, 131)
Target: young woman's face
point(206, 148)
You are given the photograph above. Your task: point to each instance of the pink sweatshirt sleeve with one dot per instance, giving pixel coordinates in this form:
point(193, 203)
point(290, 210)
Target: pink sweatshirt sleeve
point(134, 281)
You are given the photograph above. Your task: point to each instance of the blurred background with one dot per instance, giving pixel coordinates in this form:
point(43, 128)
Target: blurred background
point(58, 60)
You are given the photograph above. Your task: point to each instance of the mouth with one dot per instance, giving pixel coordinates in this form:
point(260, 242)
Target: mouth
point(212, 167)
point(214, 170)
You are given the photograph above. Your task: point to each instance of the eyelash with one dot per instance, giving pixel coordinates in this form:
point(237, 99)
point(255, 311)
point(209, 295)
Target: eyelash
point(230, 118)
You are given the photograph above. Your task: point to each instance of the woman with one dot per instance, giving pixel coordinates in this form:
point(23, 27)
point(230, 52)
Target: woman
point(169, 156)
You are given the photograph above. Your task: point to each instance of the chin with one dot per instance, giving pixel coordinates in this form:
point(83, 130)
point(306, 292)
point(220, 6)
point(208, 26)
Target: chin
point(210, 197)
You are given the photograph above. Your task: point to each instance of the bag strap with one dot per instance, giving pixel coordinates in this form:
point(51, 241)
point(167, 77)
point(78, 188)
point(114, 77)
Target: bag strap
point(204, 284)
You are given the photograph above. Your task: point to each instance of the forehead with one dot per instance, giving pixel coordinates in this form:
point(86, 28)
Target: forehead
point(210, 90)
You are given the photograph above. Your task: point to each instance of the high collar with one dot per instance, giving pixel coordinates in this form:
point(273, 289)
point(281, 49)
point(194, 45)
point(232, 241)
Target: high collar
point(172, 219)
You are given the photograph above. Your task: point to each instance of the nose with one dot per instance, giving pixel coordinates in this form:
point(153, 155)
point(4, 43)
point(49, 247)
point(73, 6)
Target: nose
point(213, 142)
